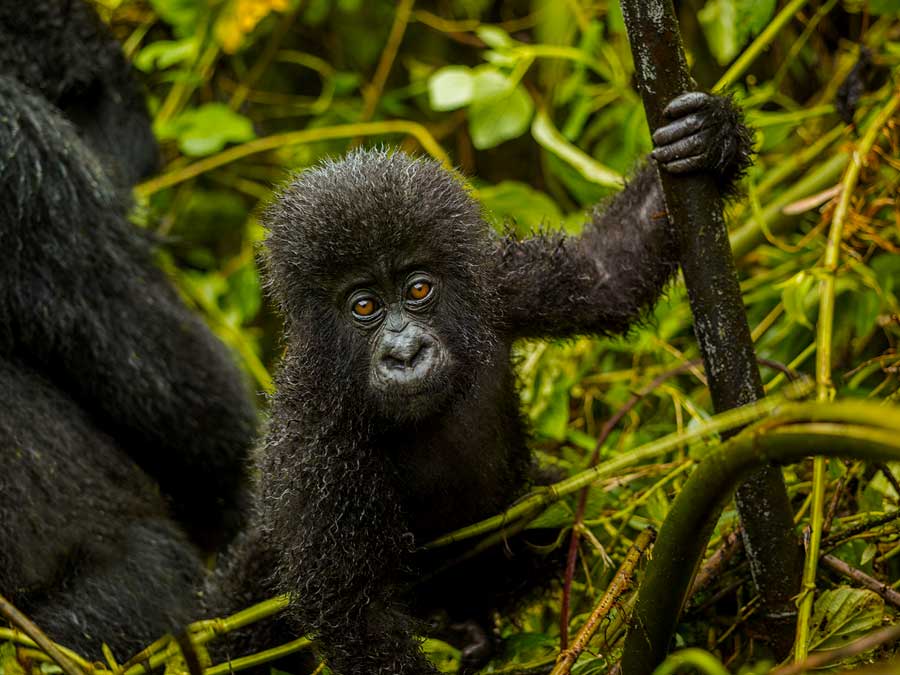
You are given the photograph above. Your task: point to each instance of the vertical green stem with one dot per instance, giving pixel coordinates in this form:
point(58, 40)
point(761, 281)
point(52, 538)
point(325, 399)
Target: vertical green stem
point(824, 386)
point(758, 45)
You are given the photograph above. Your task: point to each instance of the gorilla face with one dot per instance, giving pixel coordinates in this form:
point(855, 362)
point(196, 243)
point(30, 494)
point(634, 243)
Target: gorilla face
point(405, 352)
point(399, 316)
point(384, 268)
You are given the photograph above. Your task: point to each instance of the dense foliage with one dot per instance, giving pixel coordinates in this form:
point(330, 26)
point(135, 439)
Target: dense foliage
point(533, 100)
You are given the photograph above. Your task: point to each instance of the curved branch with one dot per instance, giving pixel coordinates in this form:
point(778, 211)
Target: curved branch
point(685, 533)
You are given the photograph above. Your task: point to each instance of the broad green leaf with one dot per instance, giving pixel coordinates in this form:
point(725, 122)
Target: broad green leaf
point(868, 555)
point(729, 24)
point(719, 21)
point(558, 515)
point(553, 417)
point(182, 15)
point(164, 54)
point(866, 308)
point(206, 130)
point(450, 88)
point(442, 655)
point(883, 6)
point(843, 614)
point(9, 664)
point(245, 294)
point(489, 84)
point(658, 505)
point(887, 271)
point(520, 203)
point(794, 295)
point(494, 37)
point(495, 119)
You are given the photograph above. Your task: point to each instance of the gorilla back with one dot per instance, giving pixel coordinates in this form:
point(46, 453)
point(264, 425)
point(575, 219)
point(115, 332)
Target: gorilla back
point(112, 390)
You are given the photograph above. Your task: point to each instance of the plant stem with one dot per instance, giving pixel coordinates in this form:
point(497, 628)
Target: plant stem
point(756, 47)
point(16, 618)
point(824, 385)
point(685, 533)
point(417, 131)
point(616, 588)
point(694, 207)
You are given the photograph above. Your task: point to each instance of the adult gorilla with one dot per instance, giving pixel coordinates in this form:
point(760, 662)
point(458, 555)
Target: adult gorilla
point(111, 391)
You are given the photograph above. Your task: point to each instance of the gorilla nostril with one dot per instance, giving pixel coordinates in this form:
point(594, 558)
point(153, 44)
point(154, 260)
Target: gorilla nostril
point(407, 357)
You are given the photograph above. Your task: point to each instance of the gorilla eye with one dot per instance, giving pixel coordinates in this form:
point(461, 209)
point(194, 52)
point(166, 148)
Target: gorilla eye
point(418, 290)
point(365, 307)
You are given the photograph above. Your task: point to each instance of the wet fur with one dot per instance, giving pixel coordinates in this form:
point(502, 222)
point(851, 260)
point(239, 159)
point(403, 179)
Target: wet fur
point(349, 485)
point(123, 421)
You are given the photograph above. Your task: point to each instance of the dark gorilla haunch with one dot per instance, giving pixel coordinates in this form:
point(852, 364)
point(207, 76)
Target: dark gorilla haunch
point(396, 416)
point(123, 421)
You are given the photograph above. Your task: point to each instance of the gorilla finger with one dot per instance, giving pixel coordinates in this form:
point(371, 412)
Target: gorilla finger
point(686, 103)
point(687, 164)
point(686, 147)
point(678, 129)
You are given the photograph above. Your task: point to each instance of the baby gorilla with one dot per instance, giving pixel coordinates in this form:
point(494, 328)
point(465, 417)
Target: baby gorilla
point(396, 416)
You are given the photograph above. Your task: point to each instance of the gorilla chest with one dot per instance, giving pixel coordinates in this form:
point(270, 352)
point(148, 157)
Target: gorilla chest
point(458, 474)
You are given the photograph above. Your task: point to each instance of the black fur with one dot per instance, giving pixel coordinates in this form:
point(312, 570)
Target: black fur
point(349, 482)
point(60, 50)
point(111, 389)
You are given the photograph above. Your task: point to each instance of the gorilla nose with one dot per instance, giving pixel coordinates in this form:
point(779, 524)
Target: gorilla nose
point(406, 358)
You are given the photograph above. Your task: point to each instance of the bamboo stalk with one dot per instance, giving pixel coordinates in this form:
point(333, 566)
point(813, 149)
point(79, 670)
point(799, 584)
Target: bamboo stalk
point(694, 207)
point(614, 591)
point(824, 385)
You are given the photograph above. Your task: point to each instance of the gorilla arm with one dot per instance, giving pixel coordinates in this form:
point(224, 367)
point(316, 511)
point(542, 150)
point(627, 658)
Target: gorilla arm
point(82, 302)
point(602, 281)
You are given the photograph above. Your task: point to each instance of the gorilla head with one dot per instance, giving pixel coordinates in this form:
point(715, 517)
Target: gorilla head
point(385, 260)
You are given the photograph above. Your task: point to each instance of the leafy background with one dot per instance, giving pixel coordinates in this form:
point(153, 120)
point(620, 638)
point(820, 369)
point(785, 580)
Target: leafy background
point(533, 100)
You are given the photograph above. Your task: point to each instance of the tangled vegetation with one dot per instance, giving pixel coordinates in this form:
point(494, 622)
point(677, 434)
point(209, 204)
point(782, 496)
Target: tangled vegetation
point(534, 100)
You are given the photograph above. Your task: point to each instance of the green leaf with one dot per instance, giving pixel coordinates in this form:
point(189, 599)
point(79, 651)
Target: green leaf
point(719, 21)
point(868, 555)
point(887, 271)
point(498, 112)
point(658, 506)
point(450, 88)
point(182, 15)
point(866, 308)
point(843, 614)
point(164, 54)
point(245, 292)
point(442, 655)
point(553, 418)
point(794, 295)
point(489, 84)
point(9, 664)
point(558, 515)
point(594, 666)
point(526, 207)
point(494, 37)
point(729, 24)
point(205, 130)
point(884, 6)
